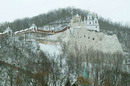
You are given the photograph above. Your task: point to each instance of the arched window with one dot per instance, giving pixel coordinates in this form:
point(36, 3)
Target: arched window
point(89, 22)
point(9, 32)
point(95, 22)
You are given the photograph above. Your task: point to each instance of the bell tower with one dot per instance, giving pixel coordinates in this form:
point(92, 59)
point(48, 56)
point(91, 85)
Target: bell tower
point(89, 19)
point(92, 22)
point(96, 20)
point(96, 24)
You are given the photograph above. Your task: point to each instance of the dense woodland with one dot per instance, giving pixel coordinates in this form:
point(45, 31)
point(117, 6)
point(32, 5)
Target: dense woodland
point(22, 63)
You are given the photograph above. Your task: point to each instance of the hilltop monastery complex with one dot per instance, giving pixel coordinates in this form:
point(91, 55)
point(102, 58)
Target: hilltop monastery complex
point(85, 34)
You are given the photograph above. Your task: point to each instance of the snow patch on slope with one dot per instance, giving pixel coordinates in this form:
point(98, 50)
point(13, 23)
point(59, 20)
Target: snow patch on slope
point(51, 49)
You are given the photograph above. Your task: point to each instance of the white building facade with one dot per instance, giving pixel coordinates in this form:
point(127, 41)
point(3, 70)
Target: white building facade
point(8, 31)
point(90, 23)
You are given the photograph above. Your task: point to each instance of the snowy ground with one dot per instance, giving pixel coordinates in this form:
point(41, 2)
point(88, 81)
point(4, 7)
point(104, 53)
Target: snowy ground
point(51, 49)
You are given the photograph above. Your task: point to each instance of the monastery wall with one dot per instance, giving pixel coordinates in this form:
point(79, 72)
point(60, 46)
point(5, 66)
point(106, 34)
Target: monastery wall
point(82, 34)
point(94, 27)
point(85, 39)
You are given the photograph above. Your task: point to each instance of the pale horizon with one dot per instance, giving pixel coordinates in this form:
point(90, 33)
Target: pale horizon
point(114, 10)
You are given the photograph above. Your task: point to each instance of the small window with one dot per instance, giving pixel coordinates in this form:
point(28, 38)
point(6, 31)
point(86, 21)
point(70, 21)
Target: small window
point(88, 37)
point(95, 22)
point(85, 46)
point(96, 26)
point(93, 38)
point(84, 36)
point(89, 22)
point(9, 32)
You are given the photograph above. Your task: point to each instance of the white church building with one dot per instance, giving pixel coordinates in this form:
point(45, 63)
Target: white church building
point(90, 23)
point(86, 35)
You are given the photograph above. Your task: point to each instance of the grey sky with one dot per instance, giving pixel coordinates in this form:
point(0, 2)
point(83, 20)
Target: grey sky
point(116, 10)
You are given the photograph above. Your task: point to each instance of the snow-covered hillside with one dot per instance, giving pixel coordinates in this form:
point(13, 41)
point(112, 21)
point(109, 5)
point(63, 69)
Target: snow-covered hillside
point(41, 59)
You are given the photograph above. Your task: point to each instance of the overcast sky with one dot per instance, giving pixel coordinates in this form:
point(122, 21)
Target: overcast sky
point(116, 10)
